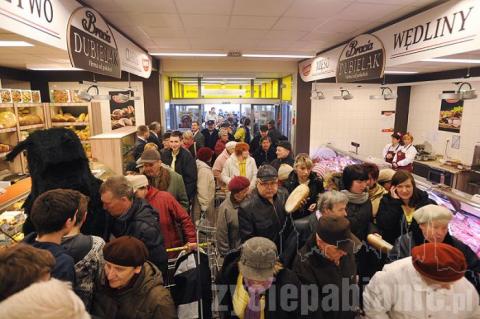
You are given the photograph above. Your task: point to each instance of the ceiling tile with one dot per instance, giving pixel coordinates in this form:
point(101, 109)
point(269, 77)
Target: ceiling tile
point(165, 43)
point(273, 45)
point(158, 20)
point(164, 32)
point(252, 22)
point(340, 25)
point(285, 35)
point(272, 8)
point(399, 2)
point(245, 34)
point(103, 5)
point(367, 11)
point(144, 6)
point(204, 21)
point(316, 8)
point(208, 44)
point(313, 46)
point(296, 24)
point(204, 6)
point(205, 32)
point(329, 37)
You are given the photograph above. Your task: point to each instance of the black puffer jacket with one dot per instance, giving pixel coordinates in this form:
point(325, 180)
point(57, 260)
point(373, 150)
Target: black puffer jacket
point(316, 188)
point(258, 217)
point(391, 219)
point(261, 157)
point(361, 219)
point(186, 166)
point(141, 221)
point(288, 160)
point(404, 244)
point(282, 306)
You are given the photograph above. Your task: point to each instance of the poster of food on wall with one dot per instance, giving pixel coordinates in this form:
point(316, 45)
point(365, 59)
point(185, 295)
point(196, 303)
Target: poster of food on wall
point(450, 115)
point(122, 109)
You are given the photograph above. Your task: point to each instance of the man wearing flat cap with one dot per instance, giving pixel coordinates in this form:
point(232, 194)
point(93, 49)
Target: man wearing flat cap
point(263, 213)
point(131, 287)
point(433, 223)
point(429, 284)
point(284, 155)
point(253, 284)
point(327, 260)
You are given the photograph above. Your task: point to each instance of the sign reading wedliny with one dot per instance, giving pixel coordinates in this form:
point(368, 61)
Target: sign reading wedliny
point(133, 59)
point(91, 44)
point(363, 58)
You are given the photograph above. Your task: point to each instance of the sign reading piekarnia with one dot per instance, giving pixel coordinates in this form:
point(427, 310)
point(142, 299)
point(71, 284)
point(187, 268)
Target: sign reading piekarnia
point(363, 58)
point(91, 45)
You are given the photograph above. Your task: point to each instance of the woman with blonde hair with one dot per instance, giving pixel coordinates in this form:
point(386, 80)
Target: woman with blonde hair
point(150, 146)
point(188, 143)
point(405, 156)
point(302, 174)
point(240, 164)
point(222, 141)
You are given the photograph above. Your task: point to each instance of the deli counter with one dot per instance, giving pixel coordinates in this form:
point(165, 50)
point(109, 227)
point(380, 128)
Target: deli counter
point(465, 224)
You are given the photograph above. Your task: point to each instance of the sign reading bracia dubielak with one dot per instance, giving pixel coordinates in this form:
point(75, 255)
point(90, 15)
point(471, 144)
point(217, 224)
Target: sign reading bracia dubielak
point(91, 44)
point(363, 58)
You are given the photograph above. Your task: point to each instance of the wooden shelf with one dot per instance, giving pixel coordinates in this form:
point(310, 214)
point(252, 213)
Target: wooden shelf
point(85, 142)
point(61, 124)
point(28, 105)
point(69, 104)
point(8, 130)
point(6, 105)
point(29, 127)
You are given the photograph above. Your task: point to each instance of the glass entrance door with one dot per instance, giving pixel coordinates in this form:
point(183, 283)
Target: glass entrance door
point(181, 116)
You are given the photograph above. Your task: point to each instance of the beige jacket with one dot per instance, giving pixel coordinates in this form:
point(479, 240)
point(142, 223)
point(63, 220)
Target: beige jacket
point(231, 169)
point(205, 197)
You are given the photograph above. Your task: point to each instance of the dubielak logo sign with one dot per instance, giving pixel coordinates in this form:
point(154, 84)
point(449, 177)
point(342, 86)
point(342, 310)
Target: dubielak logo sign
point(363, 58)
point(91, 45)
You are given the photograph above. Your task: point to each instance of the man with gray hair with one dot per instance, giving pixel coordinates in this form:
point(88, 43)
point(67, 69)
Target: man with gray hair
point(433, 223)
point(155, 134)
point(129, 216)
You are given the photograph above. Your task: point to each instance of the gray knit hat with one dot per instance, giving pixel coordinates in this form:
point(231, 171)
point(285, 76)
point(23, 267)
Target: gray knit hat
point(258, 258)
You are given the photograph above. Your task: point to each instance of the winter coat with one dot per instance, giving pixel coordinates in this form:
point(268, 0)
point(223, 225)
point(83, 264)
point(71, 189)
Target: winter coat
point(141, 222)
point(312, 268)
point(243, 134)
point(261, 157)
point(276, 136)
point(87, 253)
point(227, 226)
point(205, 198)
point(255, 144)
point(279, 161)
point(375, 196)
point(361, 219)
point(185, 166)
point(303, 229)
point(153, 138)
point(227, 280)
point(220, 146)
point(404, 244)
point(219, 164)
point(258, 217)
point(64, 268)
point(145, 298)
point(199, 140)
point(316, 188)
point(399, 292)
point(210, 138)
point(175, 224)
point(232, 169)
point(138, 148)
point(391, 218)
point(176, 187)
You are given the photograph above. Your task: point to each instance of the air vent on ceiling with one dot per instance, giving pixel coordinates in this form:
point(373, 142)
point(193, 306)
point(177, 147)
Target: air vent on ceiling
point(235, 54)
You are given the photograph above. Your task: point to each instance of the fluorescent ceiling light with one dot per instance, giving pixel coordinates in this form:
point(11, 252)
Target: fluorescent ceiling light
point(5, 43)
point(474, 61)
point(287, 56)
point(189, 54)
point(400, 72)
point(226, 79)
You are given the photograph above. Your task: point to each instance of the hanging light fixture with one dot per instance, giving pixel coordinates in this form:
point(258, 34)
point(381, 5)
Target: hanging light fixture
point(461, 93)
point(387, 94)
point(316, 94)
point(87, 96)
point(344, 95)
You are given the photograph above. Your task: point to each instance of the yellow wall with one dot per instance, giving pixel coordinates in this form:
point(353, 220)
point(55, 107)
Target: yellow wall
point(287, 88)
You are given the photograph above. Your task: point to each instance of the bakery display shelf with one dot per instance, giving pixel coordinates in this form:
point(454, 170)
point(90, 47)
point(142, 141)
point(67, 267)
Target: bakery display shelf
point(63, 124)
point(30, 127)
point(28, 104)
point(6, 105)
point(8, 130)
point(86, 142)
point(69, 104)
point(17, 192)
point(3, 155)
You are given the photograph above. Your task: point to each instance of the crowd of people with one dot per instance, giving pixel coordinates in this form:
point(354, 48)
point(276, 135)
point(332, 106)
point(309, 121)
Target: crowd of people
point(316, 261)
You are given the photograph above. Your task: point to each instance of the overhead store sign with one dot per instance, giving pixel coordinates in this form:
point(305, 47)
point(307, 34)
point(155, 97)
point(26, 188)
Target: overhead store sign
point(450, 28)
point(363, 58)
point(132, 58)
point(91, 44)
point(45, 21)
point(321, 67)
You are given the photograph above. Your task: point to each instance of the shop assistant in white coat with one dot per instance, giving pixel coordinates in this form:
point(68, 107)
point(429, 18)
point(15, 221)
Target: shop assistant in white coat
point(391, 149)
point(405, 155)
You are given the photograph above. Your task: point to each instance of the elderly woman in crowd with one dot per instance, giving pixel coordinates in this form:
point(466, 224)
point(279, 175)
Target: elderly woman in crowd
point(433, 223)
point(188, 143)
point(302, 174)
point(240, 164)
point(222, 141)
point(205, 198)
point(221, 159)
point(395, 213)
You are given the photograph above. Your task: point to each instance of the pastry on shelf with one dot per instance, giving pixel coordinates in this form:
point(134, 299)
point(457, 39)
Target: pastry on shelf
point(4, 148)
point(30, 119)
point(7, 119)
